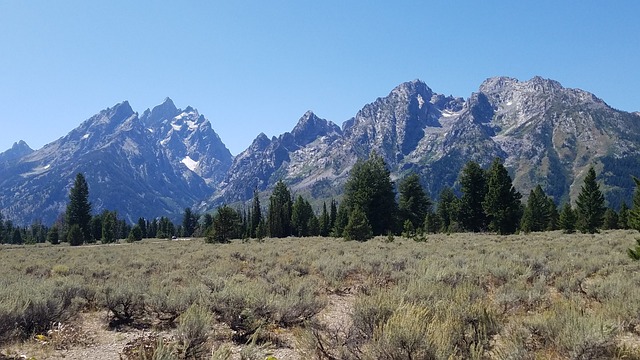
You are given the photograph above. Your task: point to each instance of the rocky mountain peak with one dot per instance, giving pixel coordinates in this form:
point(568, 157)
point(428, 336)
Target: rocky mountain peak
point(311, 127)
point(166, 110)
point(18, 150)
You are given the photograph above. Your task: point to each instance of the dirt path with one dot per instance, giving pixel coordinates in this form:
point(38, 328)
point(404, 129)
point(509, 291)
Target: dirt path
point(93, 340)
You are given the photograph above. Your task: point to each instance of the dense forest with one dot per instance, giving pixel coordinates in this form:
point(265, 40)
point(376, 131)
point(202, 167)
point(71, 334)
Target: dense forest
point(484, 200)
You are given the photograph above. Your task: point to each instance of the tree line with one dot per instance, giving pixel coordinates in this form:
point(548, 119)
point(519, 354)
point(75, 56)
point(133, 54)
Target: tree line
point(484, 200)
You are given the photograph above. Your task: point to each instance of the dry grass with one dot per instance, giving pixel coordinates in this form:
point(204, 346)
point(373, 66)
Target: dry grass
point(463, 296)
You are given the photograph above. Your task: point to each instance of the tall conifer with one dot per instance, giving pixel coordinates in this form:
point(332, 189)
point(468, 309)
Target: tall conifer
point(79, 208)
point(590, 204)
point(502, 201)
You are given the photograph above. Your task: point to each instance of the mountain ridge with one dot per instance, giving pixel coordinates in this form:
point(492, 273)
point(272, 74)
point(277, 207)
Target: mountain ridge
point(170, 158)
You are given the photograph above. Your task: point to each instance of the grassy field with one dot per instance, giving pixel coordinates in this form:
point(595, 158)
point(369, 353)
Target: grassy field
point(459, 296)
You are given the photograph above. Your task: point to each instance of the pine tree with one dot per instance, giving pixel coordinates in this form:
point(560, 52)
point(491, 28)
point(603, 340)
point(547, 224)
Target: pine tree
point(79, 208)
point(342, 218)
point(473, 185)
point(567, 220)
point(446, 211)
point(623, 216)
point(135, 234)
point(610, 219)
point(142, 223)
point(370, 188)
point(279, 215)
point(301, 214)
point(431, 223)
point(225, 227)
point(333, 214)
point(536, 214)
point(325, 221)
point(108, 227)
point(16, 237)
point(414, 203)
point(96, 228)
point(502, 201)
point(74, 236)
point(189, 222)
point(256, 213)
point(590, 204)
point(358, 227)
point(634, 213)
point(53, 237)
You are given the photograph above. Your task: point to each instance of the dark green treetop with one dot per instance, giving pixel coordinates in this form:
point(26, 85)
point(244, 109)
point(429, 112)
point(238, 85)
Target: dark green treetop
point(590, 204)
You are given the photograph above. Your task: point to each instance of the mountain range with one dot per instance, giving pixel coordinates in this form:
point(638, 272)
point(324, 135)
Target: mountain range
point(167, 159)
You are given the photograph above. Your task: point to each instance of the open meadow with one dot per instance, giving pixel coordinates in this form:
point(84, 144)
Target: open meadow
point(460, 296)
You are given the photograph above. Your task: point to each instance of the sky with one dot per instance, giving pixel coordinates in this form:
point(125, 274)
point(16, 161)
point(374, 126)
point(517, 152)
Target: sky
point(258, 66)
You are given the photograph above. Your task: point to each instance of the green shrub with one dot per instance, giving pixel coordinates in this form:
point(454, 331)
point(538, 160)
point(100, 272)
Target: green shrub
point(405, 335)
point(193, 330)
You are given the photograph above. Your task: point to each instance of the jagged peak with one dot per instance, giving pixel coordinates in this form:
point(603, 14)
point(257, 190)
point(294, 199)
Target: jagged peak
point(413, 86)
point(262, 138)
point(536, 83)
point(310, 126)
point(166, 110)
point(21, 145)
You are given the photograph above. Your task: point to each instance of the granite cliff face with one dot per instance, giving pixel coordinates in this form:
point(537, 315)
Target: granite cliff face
point(167, 159)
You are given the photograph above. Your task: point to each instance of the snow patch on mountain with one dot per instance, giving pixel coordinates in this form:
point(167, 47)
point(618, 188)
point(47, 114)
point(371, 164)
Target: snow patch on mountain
point(190, 163)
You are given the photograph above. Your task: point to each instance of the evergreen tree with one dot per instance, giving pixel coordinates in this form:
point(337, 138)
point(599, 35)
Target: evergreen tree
point(189, 222)
point(370, 188)
point(634, 214)
point(256, 213)
point(79, 208)
point(135, 234)
point(447, 211)
point(590, 204)
point(623, 216)
point(313, 226)
point(325, 221)
point(96, 228)
point(342, 218)
point(207, 222)
point(38, 232)
point(473, 184)
point(432, 223)
point(152, 229)
point(279, 215)
point(414, 203)
point(225, 227)
point(16, 237)
point(53, 237)
point(74, 236)
point(567, 220)
point(502, 201)
point(8, 231)
point(108, 227)
point(408, 230)
point(536, 214)
point(333, 214)
point(301, 215)
point(358, 227)
point(261, 230)
point(610, 219)
point(142, 224)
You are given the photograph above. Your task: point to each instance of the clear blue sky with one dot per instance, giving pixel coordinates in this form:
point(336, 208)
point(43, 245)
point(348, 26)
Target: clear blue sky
point(257, 66)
